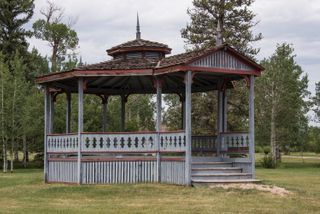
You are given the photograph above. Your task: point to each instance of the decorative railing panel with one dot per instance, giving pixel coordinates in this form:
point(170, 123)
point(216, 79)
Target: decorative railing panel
point(204, 144)
point(62, 143)
point(124, 142)
point(235, 142)
point(172, 141)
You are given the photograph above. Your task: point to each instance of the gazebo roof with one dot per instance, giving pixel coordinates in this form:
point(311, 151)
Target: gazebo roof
point(139, 45)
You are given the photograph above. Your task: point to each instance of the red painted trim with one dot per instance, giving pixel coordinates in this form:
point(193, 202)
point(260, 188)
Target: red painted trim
point(115, 159)
point(117, 152)
point(57, 153)
point(63, 134)
point(169, 151)
point(240, 132)
point(106, 133)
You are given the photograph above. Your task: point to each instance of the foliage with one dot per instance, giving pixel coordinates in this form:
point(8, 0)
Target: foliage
point(61, 37)
point(267, 162)
point(313, 140)
point(316, 102)
point(280, 105)
point(14, 14)
point(235, 20)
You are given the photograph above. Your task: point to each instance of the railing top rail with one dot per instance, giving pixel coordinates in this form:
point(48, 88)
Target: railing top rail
point(62, 134)
point(238, 132)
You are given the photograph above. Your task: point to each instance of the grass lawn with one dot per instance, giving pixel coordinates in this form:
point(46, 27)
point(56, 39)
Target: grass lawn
point(24, 192)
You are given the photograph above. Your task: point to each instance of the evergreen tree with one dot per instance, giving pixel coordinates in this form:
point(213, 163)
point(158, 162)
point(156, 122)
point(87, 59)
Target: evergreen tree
point(14, 14)
point(231, 18)
point(280, 105)
point(316, 102)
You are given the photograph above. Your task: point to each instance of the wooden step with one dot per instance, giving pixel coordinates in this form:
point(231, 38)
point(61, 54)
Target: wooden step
point(200, 182)
point(214, 170)
point(222, 176)
point(211, 164)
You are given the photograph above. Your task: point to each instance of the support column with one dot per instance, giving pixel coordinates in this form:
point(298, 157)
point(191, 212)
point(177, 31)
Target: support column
point(220, 121)
point(251, 125)
point(47, 103)
point(80, 126)
point(183, 109)
point(104, 113)
point(188, 127)
point(51, 106)
point(123, 112)
point(158, 125)
point(225, 111)
point(68, 113)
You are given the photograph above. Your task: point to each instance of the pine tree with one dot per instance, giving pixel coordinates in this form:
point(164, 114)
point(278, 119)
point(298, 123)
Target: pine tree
point(232, 18)
point(14, 14)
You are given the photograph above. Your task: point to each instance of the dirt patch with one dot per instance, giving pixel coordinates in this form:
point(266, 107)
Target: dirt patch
point(265, 188)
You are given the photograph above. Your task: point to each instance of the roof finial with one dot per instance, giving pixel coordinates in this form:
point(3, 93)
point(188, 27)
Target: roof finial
point(219, 36)
point(138, 33)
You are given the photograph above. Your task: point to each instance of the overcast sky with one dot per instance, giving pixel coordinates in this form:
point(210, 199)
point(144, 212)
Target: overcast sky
point(102, 24)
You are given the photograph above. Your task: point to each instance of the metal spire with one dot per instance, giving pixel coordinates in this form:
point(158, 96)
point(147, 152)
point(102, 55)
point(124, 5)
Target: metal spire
point(138, 33)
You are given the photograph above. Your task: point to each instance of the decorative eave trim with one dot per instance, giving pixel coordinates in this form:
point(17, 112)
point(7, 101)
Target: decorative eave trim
point(145, 48)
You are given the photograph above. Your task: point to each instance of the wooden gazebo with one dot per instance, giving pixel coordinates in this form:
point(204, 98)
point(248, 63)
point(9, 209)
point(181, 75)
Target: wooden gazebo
point(141, 67)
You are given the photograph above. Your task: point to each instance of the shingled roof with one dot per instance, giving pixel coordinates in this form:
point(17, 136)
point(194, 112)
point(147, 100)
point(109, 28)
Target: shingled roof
point(141, 44)
point(122, 64)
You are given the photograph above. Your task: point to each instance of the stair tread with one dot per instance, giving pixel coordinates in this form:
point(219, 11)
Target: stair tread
point(213, 163)
point(226, 181)
point(216, 168)
point(222, 174)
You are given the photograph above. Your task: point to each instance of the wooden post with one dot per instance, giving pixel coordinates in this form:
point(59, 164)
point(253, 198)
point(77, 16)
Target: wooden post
point(68, 113)
point(123, 112)
point(251, 126)
point(225, 111)
point(51, 124)
point(183, 106)
point(220, 121)
point(158, 125)
point(188, 129)
point(47, 103)
point(80, 126)
point(104, 113)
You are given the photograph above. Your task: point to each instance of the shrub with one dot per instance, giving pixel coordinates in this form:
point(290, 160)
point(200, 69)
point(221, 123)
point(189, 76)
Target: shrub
point(267, 162)
point(266, 150)
point(258, 149)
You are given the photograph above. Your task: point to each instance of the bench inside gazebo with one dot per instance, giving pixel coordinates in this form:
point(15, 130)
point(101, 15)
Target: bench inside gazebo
point(141, 67)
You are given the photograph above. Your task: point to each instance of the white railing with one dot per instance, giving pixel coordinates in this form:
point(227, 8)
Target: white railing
point(119, 142)
point(173, 141)
point(237, 142)
point(62, 143)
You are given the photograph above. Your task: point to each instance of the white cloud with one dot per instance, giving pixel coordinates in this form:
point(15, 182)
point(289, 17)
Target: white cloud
point(102, 24)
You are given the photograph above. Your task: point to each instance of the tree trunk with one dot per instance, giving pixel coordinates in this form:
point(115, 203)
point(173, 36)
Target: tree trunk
point(5, 160)
point(12, 155)
point(25, 151)
point(54, 58)
point(15, 151)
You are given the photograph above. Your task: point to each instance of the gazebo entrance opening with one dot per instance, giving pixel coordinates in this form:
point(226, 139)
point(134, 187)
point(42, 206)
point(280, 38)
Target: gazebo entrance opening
point(140, 67)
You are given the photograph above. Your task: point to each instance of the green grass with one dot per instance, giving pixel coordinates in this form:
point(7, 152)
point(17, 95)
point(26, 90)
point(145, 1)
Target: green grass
point(24, 192)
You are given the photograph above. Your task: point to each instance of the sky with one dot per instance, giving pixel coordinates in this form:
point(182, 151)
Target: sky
point(101, 24)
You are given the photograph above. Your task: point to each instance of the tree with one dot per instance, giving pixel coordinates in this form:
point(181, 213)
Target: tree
point(280, 105)
point(229, 19)
point(13, 15)
point(60, 36)
point(316, 102)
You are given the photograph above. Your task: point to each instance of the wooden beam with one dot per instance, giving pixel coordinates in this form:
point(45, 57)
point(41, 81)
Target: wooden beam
point(158, 124)
point(105, 113)
point(188, 129)
point(80, 126)
point(46, 131)
point(251, 125)
point(68, 112)
point(123, 112)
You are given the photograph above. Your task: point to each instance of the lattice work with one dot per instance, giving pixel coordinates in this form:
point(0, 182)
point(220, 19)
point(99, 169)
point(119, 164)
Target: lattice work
point(62, 143)
point(173, 141)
